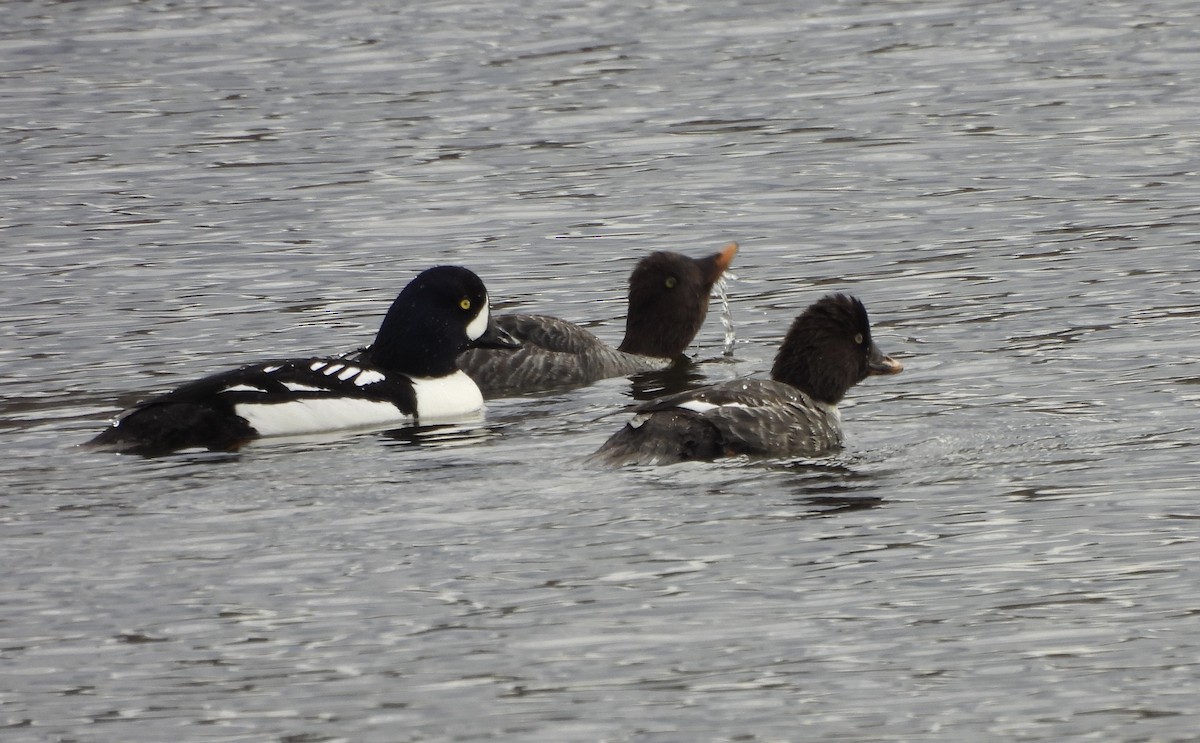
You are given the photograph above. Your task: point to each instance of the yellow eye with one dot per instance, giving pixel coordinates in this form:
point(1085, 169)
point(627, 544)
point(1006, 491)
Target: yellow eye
point(464, 303)
point(858, 339)
point(671, 282)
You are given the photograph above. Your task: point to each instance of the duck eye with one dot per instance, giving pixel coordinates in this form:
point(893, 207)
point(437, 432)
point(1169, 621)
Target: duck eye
point(858, 339)
point(671, 282)
point(464, 303)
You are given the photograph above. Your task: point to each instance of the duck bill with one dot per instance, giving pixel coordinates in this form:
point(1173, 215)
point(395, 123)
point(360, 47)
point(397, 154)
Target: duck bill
point(717, 263)
point(495, 337)
point(880, 364)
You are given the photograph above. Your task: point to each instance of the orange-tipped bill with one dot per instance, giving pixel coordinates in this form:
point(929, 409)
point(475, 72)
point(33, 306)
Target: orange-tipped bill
point(880, 364)
point(717, 263)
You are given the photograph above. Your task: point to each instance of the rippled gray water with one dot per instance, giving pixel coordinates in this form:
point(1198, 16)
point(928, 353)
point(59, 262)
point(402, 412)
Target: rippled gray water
point(1006, 549)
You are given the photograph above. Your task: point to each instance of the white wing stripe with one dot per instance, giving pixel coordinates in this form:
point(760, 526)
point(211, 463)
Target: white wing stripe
point(298, 387)
point(243, 388)
point(368, 376)
point(699, 406)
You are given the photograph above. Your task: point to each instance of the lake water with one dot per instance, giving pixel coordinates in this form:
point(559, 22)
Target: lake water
point(1005, 550)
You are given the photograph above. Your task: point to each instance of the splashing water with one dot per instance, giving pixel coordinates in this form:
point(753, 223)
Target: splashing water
point(719, 291)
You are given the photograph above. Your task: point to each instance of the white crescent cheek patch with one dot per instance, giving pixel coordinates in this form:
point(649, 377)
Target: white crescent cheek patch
point(478, 326)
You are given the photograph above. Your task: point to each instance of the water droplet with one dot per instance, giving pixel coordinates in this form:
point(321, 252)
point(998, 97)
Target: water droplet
point(719, 290)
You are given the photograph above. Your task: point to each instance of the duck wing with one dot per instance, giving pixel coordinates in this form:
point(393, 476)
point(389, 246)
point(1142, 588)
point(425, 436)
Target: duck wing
point(554, 354)
point(749, 416)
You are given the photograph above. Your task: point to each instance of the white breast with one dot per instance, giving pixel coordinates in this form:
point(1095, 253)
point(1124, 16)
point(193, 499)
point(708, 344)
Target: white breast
point(446, 397)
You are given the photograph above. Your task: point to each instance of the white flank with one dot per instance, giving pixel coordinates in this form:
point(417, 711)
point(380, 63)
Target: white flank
point(324, 414)
point(243, 388)
point(446, 397)
point(368, 376)
point(478, 326)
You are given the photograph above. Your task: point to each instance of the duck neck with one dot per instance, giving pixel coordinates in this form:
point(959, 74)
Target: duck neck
point(417, 349)
point(655, 336)
point(815, 369)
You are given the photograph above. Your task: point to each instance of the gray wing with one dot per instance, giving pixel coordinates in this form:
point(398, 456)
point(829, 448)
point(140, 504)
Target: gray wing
point(554, 354)
point(549, 334)
point(751, 416)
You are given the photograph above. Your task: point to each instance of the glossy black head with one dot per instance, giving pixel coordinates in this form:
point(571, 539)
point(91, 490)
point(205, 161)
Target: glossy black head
point(829, 349)
point(441, 313)
point(668, 300)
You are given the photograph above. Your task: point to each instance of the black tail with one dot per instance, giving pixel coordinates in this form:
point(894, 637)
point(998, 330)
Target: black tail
point(662, 437)
point(166, 427)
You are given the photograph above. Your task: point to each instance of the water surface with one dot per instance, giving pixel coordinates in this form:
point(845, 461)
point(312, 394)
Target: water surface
point(1005, 549)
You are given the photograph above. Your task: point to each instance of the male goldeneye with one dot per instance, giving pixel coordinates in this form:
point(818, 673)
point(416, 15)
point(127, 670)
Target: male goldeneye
point(668, 300)
point(827, 351)
point(409, 373)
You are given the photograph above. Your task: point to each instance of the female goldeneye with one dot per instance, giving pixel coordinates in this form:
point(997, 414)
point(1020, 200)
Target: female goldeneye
point(668, 300)
point(827, 351)
point(409, 373)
